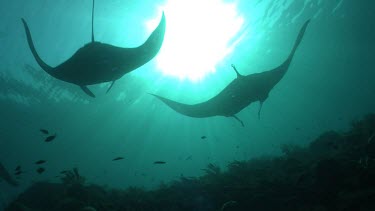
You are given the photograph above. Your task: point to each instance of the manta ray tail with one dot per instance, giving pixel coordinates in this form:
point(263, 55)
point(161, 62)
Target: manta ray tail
point(41, 63)
point(92, 21)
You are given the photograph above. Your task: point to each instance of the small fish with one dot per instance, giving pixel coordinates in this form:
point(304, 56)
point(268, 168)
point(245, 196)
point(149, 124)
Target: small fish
point(50, 138)
point(63, 172)
point(118, 158)
point(203, 137)
point(18, 173)
point(188, 157)
point(44, 131)
point(40, 162)
point(160, 162)
point(18, 168)
point(40, 170)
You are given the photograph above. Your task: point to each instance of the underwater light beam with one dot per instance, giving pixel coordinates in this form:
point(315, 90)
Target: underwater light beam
point(199, 34)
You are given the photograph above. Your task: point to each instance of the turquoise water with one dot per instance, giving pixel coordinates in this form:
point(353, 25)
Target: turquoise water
point(329, 84)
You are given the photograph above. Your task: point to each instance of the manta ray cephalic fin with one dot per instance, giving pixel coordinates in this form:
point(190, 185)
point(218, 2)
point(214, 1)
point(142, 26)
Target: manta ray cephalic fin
point(235, 69)
point(238, 119)
point(260, 108)
point(87, 91)
point(110, 87)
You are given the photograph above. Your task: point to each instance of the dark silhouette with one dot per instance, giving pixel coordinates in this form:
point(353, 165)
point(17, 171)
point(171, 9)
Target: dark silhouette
point(4, 174)
point(97, 62)
point(240, 93)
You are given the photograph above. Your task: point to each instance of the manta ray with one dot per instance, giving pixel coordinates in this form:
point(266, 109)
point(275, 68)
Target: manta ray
point(4, 174)
point(240, 93)
point(98, 62)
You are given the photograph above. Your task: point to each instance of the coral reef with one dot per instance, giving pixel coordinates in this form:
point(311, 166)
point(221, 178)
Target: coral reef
point(335, 172)
point(72, 177)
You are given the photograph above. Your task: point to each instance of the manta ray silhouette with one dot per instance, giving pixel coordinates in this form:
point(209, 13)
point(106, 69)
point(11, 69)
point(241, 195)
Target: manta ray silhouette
point(6, 176)
point(98, 62)
point(240, 93)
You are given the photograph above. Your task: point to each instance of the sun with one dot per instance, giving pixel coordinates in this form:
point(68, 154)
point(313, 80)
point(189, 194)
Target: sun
point(199, 34)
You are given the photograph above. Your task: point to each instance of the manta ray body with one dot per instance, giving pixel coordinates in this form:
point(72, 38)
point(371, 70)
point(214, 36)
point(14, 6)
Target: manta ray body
point(240, 93)
point(98, 62)
point(4, 174)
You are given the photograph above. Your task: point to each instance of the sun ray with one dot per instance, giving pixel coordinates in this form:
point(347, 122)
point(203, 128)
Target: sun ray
point(199, 34)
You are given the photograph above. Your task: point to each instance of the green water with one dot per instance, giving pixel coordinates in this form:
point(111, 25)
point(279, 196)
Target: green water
point(330, 83)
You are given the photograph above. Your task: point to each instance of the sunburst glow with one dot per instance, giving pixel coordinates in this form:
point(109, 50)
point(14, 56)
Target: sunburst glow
point(198, 35)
